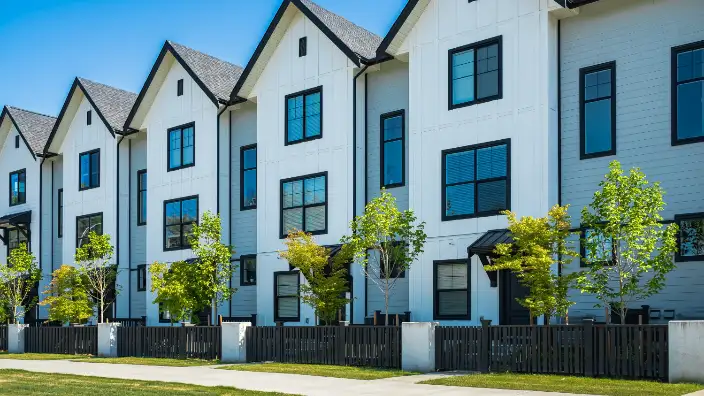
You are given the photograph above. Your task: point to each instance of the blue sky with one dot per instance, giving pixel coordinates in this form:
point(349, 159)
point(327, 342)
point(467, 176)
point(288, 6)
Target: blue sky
point(45, 44)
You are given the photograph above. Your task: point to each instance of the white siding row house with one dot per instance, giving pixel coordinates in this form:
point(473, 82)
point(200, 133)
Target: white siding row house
point(464, 109)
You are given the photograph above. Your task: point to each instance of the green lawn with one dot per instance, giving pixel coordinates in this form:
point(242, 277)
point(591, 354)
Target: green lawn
point(149, 361)
point(38, 356)
point(556, 383)
point(361, 373)
point(18, 382)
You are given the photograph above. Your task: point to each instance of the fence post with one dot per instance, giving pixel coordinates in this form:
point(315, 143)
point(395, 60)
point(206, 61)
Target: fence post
point(418, 346)
point(588, 332)
point(107, 339)
point(234, 342)
point(15, 338)
point(484, 348)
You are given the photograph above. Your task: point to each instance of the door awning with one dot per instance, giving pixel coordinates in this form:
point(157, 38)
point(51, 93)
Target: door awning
point(16, 219)
point(485, 246)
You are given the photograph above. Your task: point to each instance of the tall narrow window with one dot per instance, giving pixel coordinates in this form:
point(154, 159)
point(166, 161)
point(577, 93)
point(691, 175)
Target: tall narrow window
point(691, 237)
point(597, 91)
point(304, 204)
point(60, 212)
point(15, 238)
point(87, 224)
point(141, 277)
point(451, 290)
point(89, 117)
point(89, 169)
point(302, 46)
point(286, 303)
point(248, 177)
point(688, 93)
point(181, 146)
point(18, 187)
point(393, 149)
point(179, 217)
point(475, 73)
point(142, 197)
point(179, 87)
point(304, 116)
point(17, 141)
point(248, 270)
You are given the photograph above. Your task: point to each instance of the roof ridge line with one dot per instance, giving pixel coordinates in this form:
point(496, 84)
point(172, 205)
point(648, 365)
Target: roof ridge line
point(30, 111)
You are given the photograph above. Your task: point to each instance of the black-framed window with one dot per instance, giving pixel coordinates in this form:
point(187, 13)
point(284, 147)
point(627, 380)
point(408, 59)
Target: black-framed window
point(302, 46)
point(60, 212)
point(141, 197)
point(688, 93)
point(179, 217)
point(89, 169)
point(597, 110)
point(474, 73)
point(248, 270)
point(393, 153)
point(85, 224)
point(691, 237)
point(248, 177)
point(603, 250)
point(179, 87)
point(304, 204)
point(17, 141)
point(304, 116)
point(18, 187)
point(141, 277)
point(182, 144)
point(15, 237)
point(451, 290)
point(286, 297)
point(164, 315)
point(89, 117)
point(476, 180)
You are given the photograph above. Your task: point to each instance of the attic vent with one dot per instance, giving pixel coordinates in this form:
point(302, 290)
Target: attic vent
point(89, 117)
point(302, 46)
point(17, 141)
point(179, 87)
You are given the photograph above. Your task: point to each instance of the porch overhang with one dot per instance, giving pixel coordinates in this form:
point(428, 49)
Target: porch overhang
point(485, 247)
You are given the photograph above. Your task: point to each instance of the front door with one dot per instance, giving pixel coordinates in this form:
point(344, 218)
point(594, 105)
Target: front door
point(510, 311)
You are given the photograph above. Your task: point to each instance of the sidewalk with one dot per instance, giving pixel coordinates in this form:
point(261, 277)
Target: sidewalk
point(288, 383)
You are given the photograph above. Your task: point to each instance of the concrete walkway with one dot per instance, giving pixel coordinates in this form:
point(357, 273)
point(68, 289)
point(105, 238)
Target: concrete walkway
point(287, 383)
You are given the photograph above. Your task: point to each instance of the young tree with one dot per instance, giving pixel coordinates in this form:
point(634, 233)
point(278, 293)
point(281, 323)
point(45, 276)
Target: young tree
point(326, 279)
point(174, 285)
point(538, 245)
point(94, 261)
point(67, 297)
point(385, 241)
point(628, 249)
point(17, 278)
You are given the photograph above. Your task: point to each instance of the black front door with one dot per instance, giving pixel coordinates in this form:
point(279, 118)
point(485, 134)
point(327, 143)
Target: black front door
point(510, 311)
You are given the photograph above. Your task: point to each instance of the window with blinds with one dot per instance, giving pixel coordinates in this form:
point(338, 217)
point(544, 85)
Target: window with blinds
point(286, 302)
point(451, 290)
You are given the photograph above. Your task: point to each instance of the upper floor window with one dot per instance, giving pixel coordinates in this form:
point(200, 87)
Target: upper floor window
point(248, 177)
point(304, 204)
point(475, 73)
point(598, 110)
point(18, 187)
point(393, 149)
point(182, 146)
point(596, 248)
point(89, 169)
point(304, 115)
point(141, 277)
point(286, 301)
point(475, 180)
point(248, 270)
point(688, 93)
point(17, 141)
point(302, 46)
point(15, 238)
point(179, 87)
point(60, 212)
point(691, 237)
point(142, 197)
point(179, 217)
point(89, 117)
point(85, 225)
point(451, 290)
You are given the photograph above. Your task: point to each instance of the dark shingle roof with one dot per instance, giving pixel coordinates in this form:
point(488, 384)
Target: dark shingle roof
point(217, 75)
point(114, 104)
point(34, 127)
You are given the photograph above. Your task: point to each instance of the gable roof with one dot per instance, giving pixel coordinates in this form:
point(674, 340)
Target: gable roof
point(405, 21)
point(357, 43)
point(34, 128)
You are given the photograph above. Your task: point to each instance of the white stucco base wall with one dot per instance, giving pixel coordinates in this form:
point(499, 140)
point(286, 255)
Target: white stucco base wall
point(418, 346)
point(107, 339)
point(686, 354)
point(15, 338)
point(234, 345)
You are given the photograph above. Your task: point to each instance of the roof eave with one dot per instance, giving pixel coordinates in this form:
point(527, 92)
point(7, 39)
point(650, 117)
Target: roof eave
point(6, 111)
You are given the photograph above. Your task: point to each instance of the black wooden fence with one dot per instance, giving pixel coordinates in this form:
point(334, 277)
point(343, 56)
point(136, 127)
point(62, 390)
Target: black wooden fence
point(202, 342)
point(3, 338)
point(626, 351)
point(372, 346)
point(65, 340)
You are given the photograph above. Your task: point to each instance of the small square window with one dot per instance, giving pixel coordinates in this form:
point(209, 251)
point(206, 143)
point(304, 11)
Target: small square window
point(474, 73)
point(179, 217)
point(89, 117)
point(141, 277)
point(15, 238)
point(179, 87)
point(691, 237)
point(248, 270)
point(302, 46)
point(304, 204)
point(181, 146)
point(304, 116)
point(87, 224)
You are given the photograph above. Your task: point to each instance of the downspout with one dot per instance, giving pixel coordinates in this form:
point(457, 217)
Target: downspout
point(229, 195)
point(52, 216)
point(129, 228)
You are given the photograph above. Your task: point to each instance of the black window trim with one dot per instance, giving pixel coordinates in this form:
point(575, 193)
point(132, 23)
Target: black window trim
point(436, 300)
point(168, 201)
point(140, 203)
point(282, 235)
point(90, 169)
point(141, 277)
point(89, 117)
point(244, 207)
point(443, 182)
point(276, 298)
point(17, 141)
point(179, 87)
point(102, 224)
point(241, 260)
point(302, 46)
point(397, 113)
point(19, 232)
point(60, 212)
point(304, 93)
point(583, 249)
point(675, 141)
point(168, 146)
point(483, 43)
point(678, 219)
point(582, 105)
point(9, 196)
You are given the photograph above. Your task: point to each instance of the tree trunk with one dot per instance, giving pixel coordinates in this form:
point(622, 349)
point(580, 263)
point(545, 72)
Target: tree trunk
point(102, 310)
point(386, 304)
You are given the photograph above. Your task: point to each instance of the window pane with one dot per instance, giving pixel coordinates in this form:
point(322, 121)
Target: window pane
point(488, 71)
point(597, 126)
point(85, 170)
point(287, 285)
point(96, 224)
point(393, 162)
point(173, 213)
point(173, 236)
point(690, 64)
point(452, 276)
point(491, 162)
point(314, 190)
point(187, 234)
point(143, 206)
point(313, 114)
point(690, 110)
point(175, 149)
point(292, 220)
point(463, 90)
point(452, 303)
point(491, 196)
point(82, 227)
point(288, 307)
point(15, 188)
point(597, 85)
point(188, 146)
point(602, 246)
point(315, 218)
point(692, 237)
point(393, 128)
point(295, 119)
point(189, 210)
point(487, 84)
point(95, 169)
point(249, 179)
point(143, 181)
point(459, 200)
point(249, 159)
point(459, 167)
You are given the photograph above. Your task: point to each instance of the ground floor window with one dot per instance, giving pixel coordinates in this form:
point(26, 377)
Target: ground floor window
point(15, 238)
point(86, 224)
point(248, 270)
point(286, 301)
point(691, 237)
point(451, 290)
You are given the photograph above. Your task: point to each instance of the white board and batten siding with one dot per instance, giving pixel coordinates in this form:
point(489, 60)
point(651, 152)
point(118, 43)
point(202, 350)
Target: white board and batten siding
point(138, 233)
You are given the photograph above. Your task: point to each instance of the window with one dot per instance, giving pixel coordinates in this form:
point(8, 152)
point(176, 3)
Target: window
point(179, 217)
point(85, 225)
point(15, 238)
point(164, 315)
point(688, 93)
point(179, 87)
point(181, 146)
point(89, 117)
point(393, 151)
point(89, 169)
point(394, 250)
point(451, 290)
point(248, 270)
point(304, 116)
point(597, 93)
point(248, 177)
point(141, 197)
point(60, 213)
point(602, 253)
point(17, 141)
point(304, 204)
point(302, 46)
point(475, 73)
point(286, 302)
point(476, 180)
point(141, 277)
point(18, 187)
point(691, 237)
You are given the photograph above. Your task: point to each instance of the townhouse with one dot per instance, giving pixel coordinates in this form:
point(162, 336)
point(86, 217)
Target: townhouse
point(463, 109)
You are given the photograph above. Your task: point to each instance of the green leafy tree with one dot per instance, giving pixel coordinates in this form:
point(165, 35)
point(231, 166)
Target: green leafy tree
point(94, 260)
point(176, 293)
point(326, 279)
point(628, 250)
point(67, 296)
point(539, 245)
point(391, 236)
point(17, 279)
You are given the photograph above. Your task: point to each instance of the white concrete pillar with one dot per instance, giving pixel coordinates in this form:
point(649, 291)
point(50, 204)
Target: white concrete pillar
point(234, 346)
point(107, 339)
point(15, 338)
point(418, 346)
point(686, 350)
